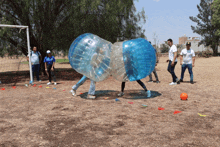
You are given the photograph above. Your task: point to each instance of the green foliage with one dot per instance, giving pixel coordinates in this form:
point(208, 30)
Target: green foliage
point(164, 48)
point(216, 15)
point(54, 24)
point(204, 26)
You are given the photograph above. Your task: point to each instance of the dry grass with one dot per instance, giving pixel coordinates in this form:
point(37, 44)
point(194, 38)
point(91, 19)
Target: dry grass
point(33, 116)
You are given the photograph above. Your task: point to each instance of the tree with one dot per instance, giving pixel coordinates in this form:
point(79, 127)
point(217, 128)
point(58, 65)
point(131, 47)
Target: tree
point(216, 15)
point(164, 47)
point(156, 40)
point(54, 24)
point(204, 26)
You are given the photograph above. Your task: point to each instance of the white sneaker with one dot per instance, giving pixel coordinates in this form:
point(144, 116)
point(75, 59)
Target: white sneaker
point(73, 92)
point(90, 96)
point(39, 81)
point(49, 83)
point(121, 94)
point(55, 83)
point(173, 83)
point(148, 93)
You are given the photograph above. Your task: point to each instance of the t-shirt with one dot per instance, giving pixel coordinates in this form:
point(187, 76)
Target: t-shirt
point(49, 60)
point(171, 52)
point(187, 56)
point(35, 57)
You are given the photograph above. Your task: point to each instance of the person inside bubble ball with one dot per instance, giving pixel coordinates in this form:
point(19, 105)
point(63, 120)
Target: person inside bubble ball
point(95, 61)
point(133, 71)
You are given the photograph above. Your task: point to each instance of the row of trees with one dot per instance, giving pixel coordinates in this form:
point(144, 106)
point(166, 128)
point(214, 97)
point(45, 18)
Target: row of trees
point(54, 24)
point(208, 23)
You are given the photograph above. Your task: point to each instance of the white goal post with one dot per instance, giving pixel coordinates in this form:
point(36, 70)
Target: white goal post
point(28, 44)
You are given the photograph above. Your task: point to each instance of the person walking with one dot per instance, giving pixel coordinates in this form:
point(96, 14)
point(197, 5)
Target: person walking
point(187, 60)
point(154, 71)
point(49, 62)
point(172, 62)
point(91, 93)
point(36, 59)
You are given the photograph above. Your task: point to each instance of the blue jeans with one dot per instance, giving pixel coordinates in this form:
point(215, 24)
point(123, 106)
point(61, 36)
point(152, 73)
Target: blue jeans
point(81, 81)
point(189, 66)
point(171, 70)
point(155, 74)
point(36, 68)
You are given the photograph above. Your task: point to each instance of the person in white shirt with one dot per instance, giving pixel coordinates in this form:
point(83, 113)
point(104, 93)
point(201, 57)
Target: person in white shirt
point(36, 59)
point(172, 61)
point(187, 60)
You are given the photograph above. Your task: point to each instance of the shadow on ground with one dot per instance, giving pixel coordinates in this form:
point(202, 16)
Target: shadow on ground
point(62, 74)
point(129, 94)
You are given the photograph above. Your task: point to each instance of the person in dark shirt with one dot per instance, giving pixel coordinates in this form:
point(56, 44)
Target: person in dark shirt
point(49, 61)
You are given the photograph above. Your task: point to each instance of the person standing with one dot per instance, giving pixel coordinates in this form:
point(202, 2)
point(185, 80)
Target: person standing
point(172, 62)
point(187, 60)
point(49, 61)
point(91, 93)
point(36, 59)
point(154, 71)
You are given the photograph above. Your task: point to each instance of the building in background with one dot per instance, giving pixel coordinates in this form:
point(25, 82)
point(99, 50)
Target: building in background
point(194, 43)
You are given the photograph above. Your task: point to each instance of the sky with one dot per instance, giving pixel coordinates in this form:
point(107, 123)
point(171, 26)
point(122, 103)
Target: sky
point(168, 18)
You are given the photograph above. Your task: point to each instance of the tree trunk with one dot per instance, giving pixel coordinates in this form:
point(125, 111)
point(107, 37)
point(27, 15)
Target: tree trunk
point(215, 50)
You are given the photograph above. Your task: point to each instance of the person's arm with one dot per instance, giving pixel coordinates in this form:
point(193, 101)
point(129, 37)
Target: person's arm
point(174, 58)
point(181, 59)
point(194, 59)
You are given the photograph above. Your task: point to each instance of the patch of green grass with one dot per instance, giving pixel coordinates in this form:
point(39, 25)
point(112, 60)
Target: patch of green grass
point(25, 62)
point(57, 61)
point(61, 60)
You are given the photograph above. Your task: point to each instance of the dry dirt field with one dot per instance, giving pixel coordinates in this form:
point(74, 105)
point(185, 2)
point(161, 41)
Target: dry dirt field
point(48, 117)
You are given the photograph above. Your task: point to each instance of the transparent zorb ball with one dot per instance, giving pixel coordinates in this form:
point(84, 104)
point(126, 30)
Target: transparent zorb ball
point(90, 56)
point(132, 60)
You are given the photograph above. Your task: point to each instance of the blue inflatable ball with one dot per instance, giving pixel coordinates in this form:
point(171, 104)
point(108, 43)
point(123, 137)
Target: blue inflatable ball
point(90, 56)
point(132, 60)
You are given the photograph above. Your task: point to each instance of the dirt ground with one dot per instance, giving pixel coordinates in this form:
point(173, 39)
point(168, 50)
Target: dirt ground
point(34, 116)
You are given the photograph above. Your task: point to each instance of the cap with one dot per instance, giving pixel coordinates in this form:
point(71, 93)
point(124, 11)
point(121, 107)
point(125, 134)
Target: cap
point(48, 51)
point(188, 43)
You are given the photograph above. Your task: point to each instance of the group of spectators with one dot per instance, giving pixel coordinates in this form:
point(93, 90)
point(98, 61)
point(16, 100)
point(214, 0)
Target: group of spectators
point(49, 64)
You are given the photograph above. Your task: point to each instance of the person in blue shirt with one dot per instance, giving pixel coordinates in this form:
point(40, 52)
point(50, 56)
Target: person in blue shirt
point(49, 61)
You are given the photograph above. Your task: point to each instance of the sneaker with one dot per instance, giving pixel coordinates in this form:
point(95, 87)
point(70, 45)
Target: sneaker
point(150, 81)
point(157, 81)
point(55, 83)
point(90, 96)
point(177, 81)
point(121, 94)
point(48, 83)
point(173, 83)
point(191, 82)
point(39, 80)
point(73, 92)
point(148, 93)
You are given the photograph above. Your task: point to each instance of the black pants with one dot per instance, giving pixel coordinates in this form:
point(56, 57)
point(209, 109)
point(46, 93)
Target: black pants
point(171, 70)
point(139, 82)
point(51, 73)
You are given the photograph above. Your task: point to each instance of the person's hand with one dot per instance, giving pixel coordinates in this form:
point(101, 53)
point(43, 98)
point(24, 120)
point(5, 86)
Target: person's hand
point(172, 64)
point(181, 63)
point(156, 64)
point(168, 60)
point(52, 69)
point(193, 65)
